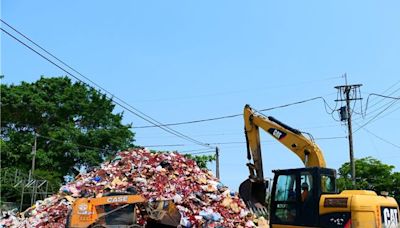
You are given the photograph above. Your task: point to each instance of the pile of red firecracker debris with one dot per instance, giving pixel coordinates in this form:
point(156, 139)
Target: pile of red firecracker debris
point(202, 200)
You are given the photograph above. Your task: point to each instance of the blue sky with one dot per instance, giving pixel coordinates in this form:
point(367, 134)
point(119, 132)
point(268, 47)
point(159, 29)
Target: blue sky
point(188, 60)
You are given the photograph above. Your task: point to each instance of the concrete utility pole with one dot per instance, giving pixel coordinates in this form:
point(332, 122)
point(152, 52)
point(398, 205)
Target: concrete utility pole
point(350, 94)
point(217, 161)
point(33, 158)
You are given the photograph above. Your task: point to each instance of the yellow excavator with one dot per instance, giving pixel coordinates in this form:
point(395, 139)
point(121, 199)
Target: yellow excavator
point(307, 197)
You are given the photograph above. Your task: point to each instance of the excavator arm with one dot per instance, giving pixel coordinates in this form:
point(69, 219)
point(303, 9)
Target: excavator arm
point(309, 153)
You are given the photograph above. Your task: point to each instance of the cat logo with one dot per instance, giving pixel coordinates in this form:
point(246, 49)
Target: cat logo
point(390, 217)
point(277, 133)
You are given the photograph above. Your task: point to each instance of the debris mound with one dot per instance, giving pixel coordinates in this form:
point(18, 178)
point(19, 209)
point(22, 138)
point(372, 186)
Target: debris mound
point(202, 200)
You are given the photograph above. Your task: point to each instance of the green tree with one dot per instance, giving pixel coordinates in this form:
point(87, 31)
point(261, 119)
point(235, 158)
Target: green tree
point(74, 124)
point(201, 160)
point(371, 174)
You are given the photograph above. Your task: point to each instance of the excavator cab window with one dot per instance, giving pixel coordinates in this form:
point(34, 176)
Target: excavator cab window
point(285, 198)
point(328, 183)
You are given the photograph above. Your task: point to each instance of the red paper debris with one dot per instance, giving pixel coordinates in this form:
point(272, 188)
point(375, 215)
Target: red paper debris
point(200, 198)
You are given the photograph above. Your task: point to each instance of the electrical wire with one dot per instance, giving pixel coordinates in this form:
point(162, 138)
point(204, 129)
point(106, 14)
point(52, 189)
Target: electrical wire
point(264, 141)
point(79, 145)
point(191, 122)
point(259, 89)
point(382, 111)
point(236, 115)
point(387, 114)
point(241, 142)
point(386, 91)
point(379, 95)
point(387, 105)
point(204, 152)
point(196, 150)
point(166, 145)
point(380, 138)
point(228, 133)
point(101, 149)
point(136, 112)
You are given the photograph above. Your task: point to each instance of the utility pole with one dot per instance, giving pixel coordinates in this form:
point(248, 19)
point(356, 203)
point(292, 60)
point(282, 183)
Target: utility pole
point(217, 161)
point(349, 93)
point(33, 158)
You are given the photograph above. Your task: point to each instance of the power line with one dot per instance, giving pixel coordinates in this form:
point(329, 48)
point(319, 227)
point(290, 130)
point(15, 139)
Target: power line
point(385, 106)
point(188, 151)
point(387, 114)
point(174, 132)
point(379, 95)
point(236, 115)
point(137, 112)
point(259, 89)
point(101, 149)
point(389, 93)
point(63, 141)
point(373, 118)
point(166, 145)
point(382, 139)
point(227, 133)
point(242, 142)
point(204, 152)
point(191, 122)
point(390, 103)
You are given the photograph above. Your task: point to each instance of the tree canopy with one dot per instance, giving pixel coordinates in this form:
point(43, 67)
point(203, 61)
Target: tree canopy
point(74, 125)
point(201, 160)
point(371, 174)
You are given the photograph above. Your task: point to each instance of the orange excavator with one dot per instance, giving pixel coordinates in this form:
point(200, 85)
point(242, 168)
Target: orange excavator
point(122, 210)
point(307, 197)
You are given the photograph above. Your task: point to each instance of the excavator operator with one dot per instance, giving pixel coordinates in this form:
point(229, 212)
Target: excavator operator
point(304, 191)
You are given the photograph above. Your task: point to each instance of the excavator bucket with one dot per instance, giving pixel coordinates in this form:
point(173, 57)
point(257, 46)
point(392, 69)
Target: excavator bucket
point(254, 195)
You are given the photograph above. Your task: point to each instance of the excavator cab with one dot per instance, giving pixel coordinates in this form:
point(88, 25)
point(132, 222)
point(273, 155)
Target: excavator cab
point(296, 192)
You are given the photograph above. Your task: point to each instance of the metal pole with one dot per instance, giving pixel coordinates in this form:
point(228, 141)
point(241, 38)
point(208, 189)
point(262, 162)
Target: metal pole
point(34, 157)
point(217, 161)
point(22, 197)
point(350, 131)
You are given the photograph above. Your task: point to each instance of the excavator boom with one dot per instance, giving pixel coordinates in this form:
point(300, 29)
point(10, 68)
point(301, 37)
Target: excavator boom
point(308, 152)
point(253, 190)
